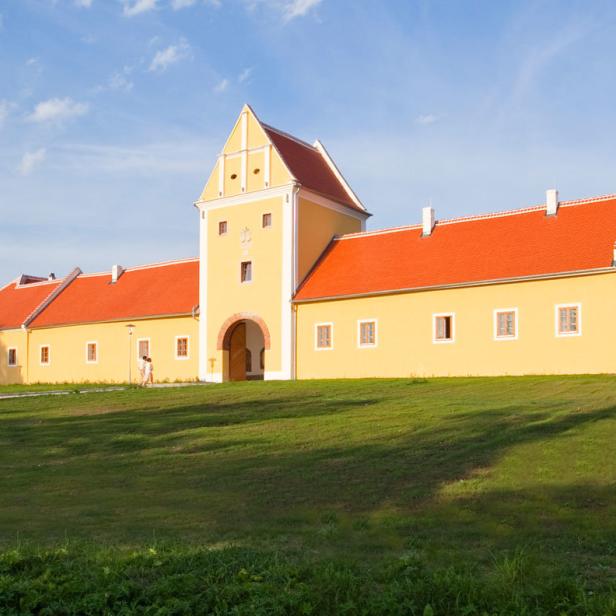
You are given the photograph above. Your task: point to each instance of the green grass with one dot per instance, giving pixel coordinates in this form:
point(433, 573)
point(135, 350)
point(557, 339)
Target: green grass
point(509, 479)
point(42, 387)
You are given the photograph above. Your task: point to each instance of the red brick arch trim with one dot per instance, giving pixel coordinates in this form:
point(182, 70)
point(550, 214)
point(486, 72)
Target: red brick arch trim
point(224, 334)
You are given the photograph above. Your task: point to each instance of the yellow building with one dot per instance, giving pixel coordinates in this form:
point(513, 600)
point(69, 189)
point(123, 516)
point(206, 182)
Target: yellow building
point(289, 284)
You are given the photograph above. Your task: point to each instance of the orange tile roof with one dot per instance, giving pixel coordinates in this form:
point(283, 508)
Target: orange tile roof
point(493, 247)
point(18, 302)
point(310, 168)
point(148, 291)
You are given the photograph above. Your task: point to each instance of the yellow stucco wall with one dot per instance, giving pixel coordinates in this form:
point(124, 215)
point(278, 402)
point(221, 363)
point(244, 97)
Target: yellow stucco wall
point(13, 339)
point(226, 294)
point(317, 225)
point(68, 351)
point(405, 344)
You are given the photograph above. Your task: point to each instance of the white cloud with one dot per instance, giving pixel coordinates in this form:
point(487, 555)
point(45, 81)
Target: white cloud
point(138, 6)
point(176, 5)
point(221, 86)
point(57, 109)
point(31, 160)
point(244, 75)
point(166, 57)
point(425, 119)
point(83, 3)
point(120, 81)
point(298, 8)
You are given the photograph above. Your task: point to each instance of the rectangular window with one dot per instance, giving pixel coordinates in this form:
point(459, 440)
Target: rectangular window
point(222, 227)
point(568, 320)
point(143, 348)
point(44, 355)
point(181, 347)
point(367, 333)
point(91, 353)
point(12, 357)
point(324, 336)
point(246, 271)
point(505, 324)
point(267, 220)
point(443, 327)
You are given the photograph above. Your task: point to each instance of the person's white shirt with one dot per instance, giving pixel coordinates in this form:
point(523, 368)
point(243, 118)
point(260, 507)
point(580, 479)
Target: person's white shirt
point(141, 364)
point(148, 368)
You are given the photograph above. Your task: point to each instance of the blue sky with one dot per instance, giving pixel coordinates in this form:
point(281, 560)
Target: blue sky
point(112, 111)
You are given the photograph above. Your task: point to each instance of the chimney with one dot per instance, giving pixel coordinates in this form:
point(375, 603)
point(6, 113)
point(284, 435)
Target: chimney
point(51, 276)
point(428, 221)
point(116, 272)
point(551, 202)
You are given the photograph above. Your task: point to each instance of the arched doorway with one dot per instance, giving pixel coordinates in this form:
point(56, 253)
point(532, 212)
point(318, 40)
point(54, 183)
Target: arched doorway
point(244, 339)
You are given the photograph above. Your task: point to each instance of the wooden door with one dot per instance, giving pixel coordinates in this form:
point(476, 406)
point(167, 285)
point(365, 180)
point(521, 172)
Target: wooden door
point(237, 353)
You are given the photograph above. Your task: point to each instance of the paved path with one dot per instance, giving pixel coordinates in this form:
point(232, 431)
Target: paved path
point(91, 390)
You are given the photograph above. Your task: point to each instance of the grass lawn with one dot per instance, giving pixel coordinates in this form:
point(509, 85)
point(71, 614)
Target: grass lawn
point(509, 477)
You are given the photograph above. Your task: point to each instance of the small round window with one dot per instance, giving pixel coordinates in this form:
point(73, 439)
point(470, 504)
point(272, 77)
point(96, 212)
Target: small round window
point(257, 170)
point(233, 176)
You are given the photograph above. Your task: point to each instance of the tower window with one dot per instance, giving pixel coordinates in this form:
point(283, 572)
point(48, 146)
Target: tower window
point(234, 176)
point(257, 171)
point(222, 227)
point(267, 220)
point(246, 271)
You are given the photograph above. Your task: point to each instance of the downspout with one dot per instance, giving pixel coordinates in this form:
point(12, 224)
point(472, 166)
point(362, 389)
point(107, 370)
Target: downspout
point(27, 375)
point(295, 203)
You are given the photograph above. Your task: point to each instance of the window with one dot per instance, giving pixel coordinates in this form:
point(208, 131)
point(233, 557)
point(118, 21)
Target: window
point(262, 359)
point(443, 328)
point(569, 320)
point(324, 336)
point(181, 347)
point(248, 360)
point(367, 333)
point(91, 353)
point(506, 324)
point(267, 220)
point(246, 271)
point(44, 355)
point(222, 227)
point(12, 359)
point(143, 347)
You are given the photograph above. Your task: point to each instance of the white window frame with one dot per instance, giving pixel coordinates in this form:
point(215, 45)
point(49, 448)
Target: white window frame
point(316, 337)
point(8, 357)
point(182, 357)
point(252, 271)
point(371, 345)
point(557, 308)
point(149, 346)
point(497, 311)
point(451, 340)
point(48, 362)
point(88, 343)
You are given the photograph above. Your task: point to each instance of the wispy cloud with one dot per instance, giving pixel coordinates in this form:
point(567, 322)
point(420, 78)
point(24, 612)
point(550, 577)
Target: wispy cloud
point(176, 5)
point(298, 8)
point(164, 58)
point(86, 4)
point(31, 160)
point(244, 75)
point(425, 119)
point(57, 109)
point(221, 86)
point(138, 6)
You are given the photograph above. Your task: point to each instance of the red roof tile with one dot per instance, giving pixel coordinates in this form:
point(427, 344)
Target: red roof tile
point(501, 246)
point(310, 168)
point(17, 302)
point(148, 291)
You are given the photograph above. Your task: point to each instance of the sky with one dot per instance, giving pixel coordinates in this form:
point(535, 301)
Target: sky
point(112, 112)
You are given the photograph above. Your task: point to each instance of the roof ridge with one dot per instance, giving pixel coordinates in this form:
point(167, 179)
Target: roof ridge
point(64, 283)
point(133, 268)
point(289, 136)
point(473, 217)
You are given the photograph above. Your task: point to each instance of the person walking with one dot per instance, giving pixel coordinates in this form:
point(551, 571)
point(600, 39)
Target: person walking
point(149, 372)
point(141, 367)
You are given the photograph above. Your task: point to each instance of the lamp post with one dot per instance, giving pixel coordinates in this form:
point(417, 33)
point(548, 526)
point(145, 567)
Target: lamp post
point(130, 328)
